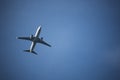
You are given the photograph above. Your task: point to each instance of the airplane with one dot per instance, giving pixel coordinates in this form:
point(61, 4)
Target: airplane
point(35, 39)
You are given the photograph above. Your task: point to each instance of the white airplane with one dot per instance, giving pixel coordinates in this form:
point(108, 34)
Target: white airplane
point(35, 39)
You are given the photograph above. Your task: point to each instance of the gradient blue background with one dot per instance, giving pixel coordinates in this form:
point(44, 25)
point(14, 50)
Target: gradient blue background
point(84, 34)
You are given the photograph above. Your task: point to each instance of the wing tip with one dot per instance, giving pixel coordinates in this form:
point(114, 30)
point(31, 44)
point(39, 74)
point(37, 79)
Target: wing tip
point(50, 46)
point(17, 37)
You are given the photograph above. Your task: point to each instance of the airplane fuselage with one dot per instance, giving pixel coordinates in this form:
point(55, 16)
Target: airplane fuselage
point(36, 39)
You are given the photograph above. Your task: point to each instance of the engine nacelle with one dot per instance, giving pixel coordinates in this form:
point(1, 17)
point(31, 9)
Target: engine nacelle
point(31, 36)
point(41, 38)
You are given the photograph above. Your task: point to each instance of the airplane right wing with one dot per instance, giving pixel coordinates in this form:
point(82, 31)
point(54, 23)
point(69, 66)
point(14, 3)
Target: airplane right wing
point(24, 38)
point(45, 43)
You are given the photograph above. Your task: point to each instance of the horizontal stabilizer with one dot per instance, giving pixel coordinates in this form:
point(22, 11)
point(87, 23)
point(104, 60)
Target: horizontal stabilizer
point(30, 51)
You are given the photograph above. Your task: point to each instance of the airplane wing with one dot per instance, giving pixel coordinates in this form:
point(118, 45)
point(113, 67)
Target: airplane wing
point(45, 43)
point(24, 38)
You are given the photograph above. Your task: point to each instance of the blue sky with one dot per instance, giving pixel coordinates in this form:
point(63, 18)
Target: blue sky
point(84, 34)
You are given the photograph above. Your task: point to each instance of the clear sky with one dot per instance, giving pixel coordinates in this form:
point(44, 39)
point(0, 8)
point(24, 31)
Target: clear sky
point(84, 34)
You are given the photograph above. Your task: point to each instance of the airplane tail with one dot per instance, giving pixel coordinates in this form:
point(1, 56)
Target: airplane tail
point(30, 51)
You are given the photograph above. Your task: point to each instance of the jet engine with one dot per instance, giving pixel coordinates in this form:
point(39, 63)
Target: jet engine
point(31, 36)
point(41, 38)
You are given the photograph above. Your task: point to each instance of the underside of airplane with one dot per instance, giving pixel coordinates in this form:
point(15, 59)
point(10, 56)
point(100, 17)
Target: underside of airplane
point(35, 39)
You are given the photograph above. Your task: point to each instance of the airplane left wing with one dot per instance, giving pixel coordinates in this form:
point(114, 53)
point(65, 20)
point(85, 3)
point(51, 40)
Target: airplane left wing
point(24, 38)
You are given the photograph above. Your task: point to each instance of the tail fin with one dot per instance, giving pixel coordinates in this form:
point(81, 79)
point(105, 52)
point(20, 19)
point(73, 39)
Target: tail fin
point(30, 51)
